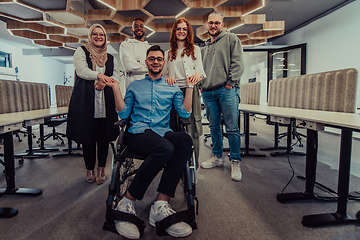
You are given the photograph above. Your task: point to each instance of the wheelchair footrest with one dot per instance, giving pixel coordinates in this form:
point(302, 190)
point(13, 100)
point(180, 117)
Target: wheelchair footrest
point(187, 216)
point(113, 215)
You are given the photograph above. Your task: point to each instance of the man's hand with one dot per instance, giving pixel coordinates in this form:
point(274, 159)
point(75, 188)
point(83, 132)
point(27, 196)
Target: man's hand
point(195, 78)
point(228, 86)
point(189, 82)
point(99, 85)
point(112, 83)
point(170, 81)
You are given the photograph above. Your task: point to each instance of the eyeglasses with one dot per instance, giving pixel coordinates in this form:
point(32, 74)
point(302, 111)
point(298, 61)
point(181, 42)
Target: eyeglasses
point(138, 26)
point(181, 29)
point(214, 23)
point(152, 59)
point(98, 34)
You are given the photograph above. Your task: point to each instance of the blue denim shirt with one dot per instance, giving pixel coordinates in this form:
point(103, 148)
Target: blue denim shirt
point(149, 102)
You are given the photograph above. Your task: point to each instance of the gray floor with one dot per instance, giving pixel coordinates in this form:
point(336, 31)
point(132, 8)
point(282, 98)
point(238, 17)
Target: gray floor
point(71, 208)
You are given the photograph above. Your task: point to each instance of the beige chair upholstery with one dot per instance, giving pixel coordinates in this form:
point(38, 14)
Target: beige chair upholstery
point(328, 91)
point(250, 93)
point(63, 95)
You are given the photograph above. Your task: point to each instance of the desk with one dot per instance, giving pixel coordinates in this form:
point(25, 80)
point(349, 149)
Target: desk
point(8, 125)
point(315, 121)
point(31, 118)
point(277, 114)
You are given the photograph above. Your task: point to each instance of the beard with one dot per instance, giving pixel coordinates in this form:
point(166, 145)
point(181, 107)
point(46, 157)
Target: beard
point(215, 34)
point(139, 36)
point(155, 72)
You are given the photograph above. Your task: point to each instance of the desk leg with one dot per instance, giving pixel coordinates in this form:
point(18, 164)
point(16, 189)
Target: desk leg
point(30, 153)
point(244, 126)
point(8, 156)
point(276, 139)
point(288, 145)
point(340, 216)
point(310, 171)
point(42, 147)
point(10, 172)
point(247, 139)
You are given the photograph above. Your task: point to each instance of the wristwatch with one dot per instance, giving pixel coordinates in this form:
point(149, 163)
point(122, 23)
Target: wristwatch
point(189, 86)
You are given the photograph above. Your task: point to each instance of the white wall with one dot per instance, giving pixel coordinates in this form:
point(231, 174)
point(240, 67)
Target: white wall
point(332, 42)
point(36, 68)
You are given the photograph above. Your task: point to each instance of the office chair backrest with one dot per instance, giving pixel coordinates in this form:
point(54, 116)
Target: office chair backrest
point(63, 95)
point(328, 91)
point(250, 93)
point(18, 96)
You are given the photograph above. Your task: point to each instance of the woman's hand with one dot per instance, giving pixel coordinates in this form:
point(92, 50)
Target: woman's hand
point(195, 78)
point(103, 78)
point(170, 81)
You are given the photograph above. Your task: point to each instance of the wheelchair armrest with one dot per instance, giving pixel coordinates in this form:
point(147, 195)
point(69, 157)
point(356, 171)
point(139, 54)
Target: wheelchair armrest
point(122, 123)
point(184, 121)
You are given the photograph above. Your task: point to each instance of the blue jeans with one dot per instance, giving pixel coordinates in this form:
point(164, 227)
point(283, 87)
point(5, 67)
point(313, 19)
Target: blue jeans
point(226, 102)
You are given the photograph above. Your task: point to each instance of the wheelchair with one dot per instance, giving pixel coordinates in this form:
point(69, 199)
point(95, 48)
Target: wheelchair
point(123, 168)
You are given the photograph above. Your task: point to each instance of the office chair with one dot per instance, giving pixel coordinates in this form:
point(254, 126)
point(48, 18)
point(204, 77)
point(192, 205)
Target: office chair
point(294, 133)
point(53, 123)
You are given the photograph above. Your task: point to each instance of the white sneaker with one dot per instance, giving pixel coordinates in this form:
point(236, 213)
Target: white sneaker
point(214, 161)
point(180, 229)
point(127, 229)
point(236, 174)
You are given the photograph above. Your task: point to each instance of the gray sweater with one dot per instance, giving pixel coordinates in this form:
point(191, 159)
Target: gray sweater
point(223, 62)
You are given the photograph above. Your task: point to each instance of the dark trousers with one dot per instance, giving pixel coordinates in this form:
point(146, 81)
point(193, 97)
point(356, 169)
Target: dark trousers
point(100, 141)
point(169, 152)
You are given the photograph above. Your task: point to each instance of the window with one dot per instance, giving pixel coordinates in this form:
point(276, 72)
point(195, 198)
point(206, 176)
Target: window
point(5, 59)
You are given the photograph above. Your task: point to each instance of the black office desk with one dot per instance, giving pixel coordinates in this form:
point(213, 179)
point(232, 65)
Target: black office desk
point(315, 121)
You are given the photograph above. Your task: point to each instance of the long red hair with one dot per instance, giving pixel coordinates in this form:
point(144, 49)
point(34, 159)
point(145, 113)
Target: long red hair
point(189, 41)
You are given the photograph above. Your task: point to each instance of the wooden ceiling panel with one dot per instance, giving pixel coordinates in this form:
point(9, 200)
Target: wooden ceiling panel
point(67, 22)
point(48, 43)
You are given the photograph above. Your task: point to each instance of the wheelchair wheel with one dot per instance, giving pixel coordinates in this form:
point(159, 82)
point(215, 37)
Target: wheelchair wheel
point(124, 182)
point(119, 183)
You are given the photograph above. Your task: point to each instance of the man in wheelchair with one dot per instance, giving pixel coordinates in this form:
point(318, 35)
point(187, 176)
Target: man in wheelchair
point(148, 103)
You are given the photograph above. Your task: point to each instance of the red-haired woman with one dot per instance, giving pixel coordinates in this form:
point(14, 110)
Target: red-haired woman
point(182, 61)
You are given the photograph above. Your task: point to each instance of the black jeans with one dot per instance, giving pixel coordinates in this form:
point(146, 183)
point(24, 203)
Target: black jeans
point(100, 141)
point(170, 152)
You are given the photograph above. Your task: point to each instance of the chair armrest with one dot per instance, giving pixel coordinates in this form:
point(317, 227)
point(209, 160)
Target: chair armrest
point(184, 121)
point(122, 123)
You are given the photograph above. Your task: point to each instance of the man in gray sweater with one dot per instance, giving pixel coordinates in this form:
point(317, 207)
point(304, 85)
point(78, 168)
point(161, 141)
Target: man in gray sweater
point(223, 63)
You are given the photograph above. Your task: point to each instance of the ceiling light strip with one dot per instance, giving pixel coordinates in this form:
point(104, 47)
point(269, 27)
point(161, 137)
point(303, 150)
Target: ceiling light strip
point(236, 26)
point(263, 5)
point(186, 9)
point(274, 29)
point(107, 5)
point(153, 31)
